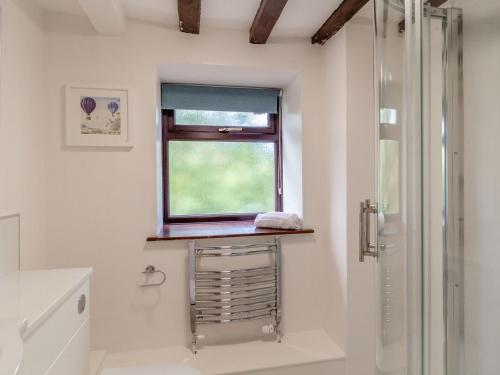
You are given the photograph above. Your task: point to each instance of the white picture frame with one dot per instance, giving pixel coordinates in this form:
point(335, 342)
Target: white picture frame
point(97, 116)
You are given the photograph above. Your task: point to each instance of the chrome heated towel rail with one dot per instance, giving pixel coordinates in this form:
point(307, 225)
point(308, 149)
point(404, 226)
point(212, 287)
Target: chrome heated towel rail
point(237, 294)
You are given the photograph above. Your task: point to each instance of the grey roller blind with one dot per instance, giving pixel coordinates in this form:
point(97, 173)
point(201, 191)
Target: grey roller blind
point(219, 98)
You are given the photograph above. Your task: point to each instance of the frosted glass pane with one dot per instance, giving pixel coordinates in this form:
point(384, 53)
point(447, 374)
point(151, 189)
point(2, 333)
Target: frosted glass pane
point(207, 177)
point(389, 176)
point(220, 118)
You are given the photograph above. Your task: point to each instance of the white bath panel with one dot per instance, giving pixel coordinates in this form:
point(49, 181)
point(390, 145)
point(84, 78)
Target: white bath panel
point(309, 352)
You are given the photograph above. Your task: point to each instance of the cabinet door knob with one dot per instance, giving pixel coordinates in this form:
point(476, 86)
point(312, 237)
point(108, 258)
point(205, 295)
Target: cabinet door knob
point(81, 303)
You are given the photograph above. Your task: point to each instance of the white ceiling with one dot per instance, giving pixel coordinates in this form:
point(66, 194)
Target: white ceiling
point(300, 18)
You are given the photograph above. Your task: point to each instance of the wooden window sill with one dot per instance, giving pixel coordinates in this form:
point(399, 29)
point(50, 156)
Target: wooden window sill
point(224, 229)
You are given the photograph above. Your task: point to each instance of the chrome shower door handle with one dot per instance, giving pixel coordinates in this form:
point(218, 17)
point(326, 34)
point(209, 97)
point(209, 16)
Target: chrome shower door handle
point(366, 248)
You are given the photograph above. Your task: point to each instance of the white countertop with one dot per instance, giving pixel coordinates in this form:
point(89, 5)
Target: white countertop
point(27, 299)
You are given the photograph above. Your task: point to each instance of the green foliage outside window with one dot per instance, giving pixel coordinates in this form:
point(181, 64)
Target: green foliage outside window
point(208, 177)
point(220, 118)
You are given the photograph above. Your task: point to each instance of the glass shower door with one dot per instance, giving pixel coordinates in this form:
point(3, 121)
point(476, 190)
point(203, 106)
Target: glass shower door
point(391, 342)
point(396, 214)
point(462, 56)
point(435, 232)
point(443, 190)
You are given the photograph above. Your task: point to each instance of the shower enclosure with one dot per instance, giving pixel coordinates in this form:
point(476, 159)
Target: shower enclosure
point(434, 234)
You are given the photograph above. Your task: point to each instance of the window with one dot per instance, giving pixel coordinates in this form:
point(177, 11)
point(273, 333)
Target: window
point(221, 153)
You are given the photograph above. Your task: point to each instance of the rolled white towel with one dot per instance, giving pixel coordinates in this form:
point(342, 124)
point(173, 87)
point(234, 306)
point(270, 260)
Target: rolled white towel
point(278, 220)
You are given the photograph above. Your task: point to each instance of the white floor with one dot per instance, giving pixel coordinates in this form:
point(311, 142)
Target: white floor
point(96, 360)
point(311, 352)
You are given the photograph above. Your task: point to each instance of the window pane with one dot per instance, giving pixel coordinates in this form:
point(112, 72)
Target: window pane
point(388, 116)
point(221, 177)
point(220, 118)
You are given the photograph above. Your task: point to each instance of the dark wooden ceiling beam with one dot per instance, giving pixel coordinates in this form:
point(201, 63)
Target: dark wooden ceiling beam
point(345, 11)
point(189, 16)
point(265, 19)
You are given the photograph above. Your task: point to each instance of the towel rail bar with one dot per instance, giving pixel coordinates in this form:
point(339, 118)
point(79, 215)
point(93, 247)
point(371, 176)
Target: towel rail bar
point(235, 309)
point(241, 314)
point(212, 321)
point(230, 288)
point(231, 282)
point(236, 292)
point(242, 307)
point(234, 295)
point(236, 274)
point(239, 253)
point(244, 270)
point(232, 247)
point(235, 300)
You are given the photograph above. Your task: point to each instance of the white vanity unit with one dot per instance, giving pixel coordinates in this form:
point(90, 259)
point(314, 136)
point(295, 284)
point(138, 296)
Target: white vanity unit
point(51, 310)
point(44, 317)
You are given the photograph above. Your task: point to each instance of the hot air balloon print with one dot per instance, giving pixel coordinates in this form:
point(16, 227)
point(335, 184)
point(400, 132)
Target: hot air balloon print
point(88, 105)
point(113, 107)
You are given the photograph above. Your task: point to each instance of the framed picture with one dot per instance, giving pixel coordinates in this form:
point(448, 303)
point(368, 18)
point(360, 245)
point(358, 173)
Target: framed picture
point(97, 116)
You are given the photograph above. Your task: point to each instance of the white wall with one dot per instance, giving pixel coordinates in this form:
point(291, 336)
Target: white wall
point(109, 232)
point(482, 184)
point(351, 143)
point(95, 208)
point(360, 185)
point(23, 126)
point(335, 104)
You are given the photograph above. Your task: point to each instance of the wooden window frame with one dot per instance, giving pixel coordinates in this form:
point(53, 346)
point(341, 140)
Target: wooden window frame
point(174, 132)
